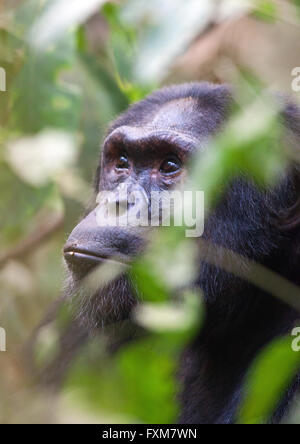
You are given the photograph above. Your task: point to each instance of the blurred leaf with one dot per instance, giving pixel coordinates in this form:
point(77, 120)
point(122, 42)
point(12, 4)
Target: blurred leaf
point(297, 3)
point(266, 10)
point(58, 17)
point(149, 284)
point(26, 13)
point(81, 39)
point(94, 382)
point(40, 98)
point(123, 51)
point(18, 205)
point(105, 82)
point(180, 319)
point(11, 60)
point(251, 143)
point(122, 41)
point(148, 373)
point(163, 33)
point(271, 373)
point(138, 383)
point(168, 265)
point(38, 159)
point(47, 345)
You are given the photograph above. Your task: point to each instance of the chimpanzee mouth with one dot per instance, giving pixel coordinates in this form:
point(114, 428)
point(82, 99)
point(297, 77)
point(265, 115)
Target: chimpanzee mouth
point(82, 256)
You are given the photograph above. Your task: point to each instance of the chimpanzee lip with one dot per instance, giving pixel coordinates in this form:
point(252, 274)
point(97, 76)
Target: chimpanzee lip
point(86, 255)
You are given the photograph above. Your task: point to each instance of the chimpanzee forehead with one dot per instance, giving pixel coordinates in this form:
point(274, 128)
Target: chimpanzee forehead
point(191, 116)
point(179, 115)
point(186, 122)
point(149, 139)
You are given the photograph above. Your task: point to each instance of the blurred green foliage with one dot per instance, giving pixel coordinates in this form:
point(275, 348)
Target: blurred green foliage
point(272, 373)
point(64, 80)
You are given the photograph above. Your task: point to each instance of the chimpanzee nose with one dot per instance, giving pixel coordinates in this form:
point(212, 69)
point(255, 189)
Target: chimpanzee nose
point(91, 244)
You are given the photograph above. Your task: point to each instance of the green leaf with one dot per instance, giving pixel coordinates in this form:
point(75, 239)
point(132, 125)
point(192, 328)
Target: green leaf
point(148, 373)
point(105, 83)
point(40, 98)
point(122, 46)
point(266, 10)
point(271, 373)
point(297, 3)
point(149, 283)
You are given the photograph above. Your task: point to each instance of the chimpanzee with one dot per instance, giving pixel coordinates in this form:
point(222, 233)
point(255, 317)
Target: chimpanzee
point(149, 146)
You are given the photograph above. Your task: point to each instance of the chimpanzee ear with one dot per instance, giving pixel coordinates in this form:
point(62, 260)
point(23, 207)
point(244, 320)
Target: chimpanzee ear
point(292, 219)
point(290, 117)
point(291, 120)
point(288, 219)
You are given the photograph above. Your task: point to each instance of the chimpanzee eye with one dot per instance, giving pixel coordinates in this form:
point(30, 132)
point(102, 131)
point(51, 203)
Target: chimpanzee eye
point(122, 163)
point(170, 166)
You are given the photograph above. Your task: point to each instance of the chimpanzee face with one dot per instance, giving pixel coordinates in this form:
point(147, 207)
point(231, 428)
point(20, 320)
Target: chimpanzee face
point(139, 159)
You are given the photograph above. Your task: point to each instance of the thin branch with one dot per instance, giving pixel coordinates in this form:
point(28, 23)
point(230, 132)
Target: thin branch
point(34, 240)
point(253, 272)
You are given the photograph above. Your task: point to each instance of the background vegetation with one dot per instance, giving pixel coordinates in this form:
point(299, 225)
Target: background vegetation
point(69, 72)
